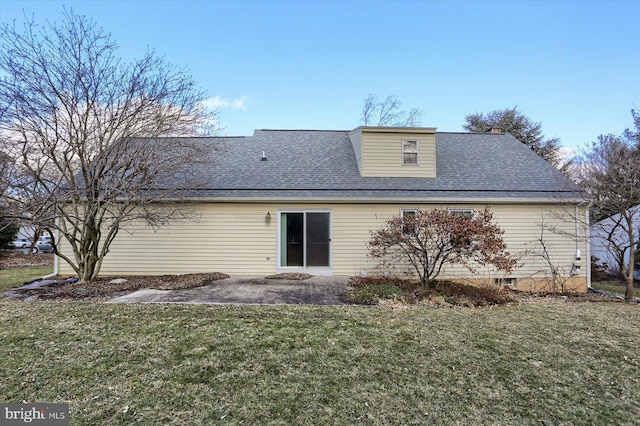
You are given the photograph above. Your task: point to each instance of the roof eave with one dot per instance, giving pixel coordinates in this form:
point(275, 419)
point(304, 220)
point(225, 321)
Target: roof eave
point(396, 200)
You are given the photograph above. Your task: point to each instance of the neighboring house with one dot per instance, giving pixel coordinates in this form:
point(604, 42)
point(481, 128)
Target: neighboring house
point(607, 234)
point(307, 200)
point(26, 232)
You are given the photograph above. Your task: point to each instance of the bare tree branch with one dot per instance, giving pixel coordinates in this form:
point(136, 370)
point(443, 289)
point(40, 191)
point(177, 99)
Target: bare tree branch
point(387, 113)
point(85, 129)
point(609, 173)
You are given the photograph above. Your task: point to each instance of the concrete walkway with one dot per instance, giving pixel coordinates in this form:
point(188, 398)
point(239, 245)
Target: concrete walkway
point(317, 290)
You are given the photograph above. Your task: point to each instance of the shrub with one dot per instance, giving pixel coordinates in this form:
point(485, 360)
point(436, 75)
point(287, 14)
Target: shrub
point(598, 272)
point(372, 290)
point(360, 281)
point(428, 240)
point(372, 294)
point(469, 295)
point(8, 233)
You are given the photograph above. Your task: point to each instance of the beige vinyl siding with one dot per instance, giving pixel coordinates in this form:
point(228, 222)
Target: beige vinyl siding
point(523, 225)
point(234, 238)
point(356, 142)
point(382, 154)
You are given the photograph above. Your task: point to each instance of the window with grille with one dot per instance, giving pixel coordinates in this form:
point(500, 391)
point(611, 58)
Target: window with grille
point(409, 153)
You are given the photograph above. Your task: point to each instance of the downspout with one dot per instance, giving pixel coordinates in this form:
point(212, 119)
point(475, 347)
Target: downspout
point(586, 215)
point(56, 259)
point(578, 261)
point(578, 232)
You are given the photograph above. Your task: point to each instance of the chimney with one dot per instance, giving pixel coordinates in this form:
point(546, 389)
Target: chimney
point(495, 130)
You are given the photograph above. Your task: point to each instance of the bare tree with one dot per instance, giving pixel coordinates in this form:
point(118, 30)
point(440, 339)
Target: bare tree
point(388, 113)
point(609, 172)
point(429, 240)
point(84, 128)
point(555, 272)
point(7, 221)
point(5, 167)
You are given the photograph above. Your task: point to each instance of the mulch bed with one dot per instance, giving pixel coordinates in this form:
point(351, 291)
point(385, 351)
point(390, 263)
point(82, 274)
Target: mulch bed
point(455, 294)
point(103, 288)
point(289, 276)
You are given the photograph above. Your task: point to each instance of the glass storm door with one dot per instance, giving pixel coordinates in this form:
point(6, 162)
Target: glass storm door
point(305, 239)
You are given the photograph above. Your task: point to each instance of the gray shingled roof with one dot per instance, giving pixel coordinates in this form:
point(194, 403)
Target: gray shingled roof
point(321, 164)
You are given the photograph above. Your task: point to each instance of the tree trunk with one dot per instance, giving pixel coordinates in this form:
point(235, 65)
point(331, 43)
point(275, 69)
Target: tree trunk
point(87, 272)
point(628, 277)
point(628, 294)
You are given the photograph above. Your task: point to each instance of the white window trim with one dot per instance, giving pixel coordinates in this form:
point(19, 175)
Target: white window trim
point(315, 270)
point(508, 282)
point(462, 211)
point(408, 152)
point(403, 211)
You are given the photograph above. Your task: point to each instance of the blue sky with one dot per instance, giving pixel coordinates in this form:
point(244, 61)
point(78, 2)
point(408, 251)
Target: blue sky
point(572, 65)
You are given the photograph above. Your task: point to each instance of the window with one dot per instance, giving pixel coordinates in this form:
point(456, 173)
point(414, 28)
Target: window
point(467, 213)
point(409, 153)
point(505, 282)
point(408, 216)
point(462, 212)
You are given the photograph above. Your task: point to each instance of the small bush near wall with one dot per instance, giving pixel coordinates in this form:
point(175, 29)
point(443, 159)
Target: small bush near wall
point(598, 272)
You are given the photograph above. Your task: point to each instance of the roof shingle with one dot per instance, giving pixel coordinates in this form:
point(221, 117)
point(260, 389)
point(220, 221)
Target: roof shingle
point(321, 164)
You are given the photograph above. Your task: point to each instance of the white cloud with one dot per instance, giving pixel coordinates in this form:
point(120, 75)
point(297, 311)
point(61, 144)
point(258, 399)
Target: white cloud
point(218, 102)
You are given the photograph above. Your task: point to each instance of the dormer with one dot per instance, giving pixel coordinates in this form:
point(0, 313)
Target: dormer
point(395, 151)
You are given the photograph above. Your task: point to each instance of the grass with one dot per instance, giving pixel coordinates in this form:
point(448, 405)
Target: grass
point(371, 294)
point(15, 276)
point(536, 363)
point(614, 286)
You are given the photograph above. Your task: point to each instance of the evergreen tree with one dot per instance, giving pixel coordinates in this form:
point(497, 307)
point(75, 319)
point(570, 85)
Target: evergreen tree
point(512, 121)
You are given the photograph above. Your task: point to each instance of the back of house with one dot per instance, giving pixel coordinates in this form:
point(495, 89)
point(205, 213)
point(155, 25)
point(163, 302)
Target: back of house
point(307, 201)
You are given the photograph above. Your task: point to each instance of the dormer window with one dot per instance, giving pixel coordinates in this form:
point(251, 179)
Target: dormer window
point(409, 153)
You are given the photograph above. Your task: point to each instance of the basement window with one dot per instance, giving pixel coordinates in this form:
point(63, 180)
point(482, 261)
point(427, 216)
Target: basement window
point(409, 153)
point(505, 282)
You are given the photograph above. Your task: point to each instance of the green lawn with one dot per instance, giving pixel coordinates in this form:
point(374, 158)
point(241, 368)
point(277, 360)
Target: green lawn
point(537, 363)
point(16, 276)
point(614, 286)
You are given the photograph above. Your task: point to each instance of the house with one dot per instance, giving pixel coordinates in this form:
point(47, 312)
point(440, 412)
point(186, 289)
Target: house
point(608, 235)
point(307, 200)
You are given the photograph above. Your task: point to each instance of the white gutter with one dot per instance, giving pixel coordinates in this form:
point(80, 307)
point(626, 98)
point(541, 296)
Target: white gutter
point(373, 200)
point(56, 259)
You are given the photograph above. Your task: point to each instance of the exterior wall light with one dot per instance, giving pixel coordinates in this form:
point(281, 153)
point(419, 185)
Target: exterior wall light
point(267, 218)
